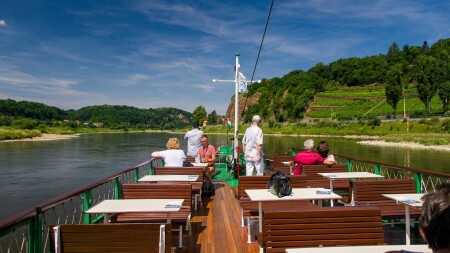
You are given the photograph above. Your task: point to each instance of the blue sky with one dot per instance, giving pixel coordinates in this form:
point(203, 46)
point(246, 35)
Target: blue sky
point(151, 54)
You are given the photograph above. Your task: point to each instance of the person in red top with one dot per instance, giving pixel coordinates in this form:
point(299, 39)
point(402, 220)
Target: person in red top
point(307, 157)
point(207, 154)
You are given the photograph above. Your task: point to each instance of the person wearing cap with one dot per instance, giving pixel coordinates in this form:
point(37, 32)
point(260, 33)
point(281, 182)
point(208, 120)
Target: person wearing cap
point(252, 146)
point(193, 140)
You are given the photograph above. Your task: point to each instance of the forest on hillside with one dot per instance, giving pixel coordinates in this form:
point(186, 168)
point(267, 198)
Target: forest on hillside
point(425, 68)
point(33, 115)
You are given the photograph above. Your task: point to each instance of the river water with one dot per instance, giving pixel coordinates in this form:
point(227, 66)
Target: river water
point(33, 172)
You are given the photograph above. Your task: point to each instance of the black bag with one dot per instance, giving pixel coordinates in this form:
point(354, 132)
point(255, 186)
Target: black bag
point(187, 164)
point(280, 184)
point(208, 187)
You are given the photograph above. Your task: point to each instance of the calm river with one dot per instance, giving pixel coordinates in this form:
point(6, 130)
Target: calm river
point(32, 172)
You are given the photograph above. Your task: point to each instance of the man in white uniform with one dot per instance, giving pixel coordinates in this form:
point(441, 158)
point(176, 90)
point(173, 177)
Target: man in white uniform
point(252, 146)
point(193, 140)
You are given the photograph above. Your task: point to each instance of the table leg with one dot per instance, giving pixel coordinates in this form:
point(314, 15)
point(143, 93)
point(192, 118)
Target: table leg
point(260, 215)
point(319, 202)
point(352, 202)
point(106, 218)
point(331, 189)
point(290, 168)
point(408, 225)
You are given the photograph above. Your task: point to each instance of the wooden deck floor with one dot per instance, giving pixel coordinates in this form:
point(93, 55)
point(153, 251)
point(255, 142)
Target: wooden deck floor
point(216, 225)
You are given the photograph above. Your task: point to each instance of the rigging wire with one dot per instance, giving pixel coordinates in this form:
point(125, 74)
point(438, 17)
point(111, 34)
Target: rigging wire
point(259, 52)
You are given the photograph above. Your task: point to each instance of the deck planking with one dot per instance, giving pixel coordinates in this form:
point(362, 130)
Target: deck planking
point(216, 225)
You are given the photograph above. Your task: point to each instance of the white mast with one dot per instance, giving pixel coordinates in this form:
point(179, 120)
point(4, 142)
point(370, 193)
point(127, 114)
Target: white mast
point(236, 102)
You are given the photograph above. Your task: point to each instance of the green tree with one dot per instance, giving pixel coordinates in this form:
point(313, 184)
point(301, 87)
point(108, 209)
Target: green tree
point(393, 55)
point(199, 115)
point(444, 94)
point(212, 118)
point(393, 86)
point(430, 73)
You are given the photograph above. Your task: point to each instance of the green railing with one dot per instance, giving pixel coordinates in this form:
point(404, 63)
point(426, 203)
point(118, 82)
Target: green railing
point(28, 230)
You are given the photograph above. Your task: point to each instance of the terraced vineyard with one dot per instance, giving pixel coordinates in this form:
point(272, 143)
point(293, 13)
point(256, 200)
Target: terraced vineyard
point(364, 102)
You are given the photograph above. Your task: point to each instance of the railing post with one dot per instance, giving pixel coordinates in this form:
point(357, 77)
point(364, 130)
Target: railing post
point(292, 152)
point(377, 169)
point(35, 233)
point(418, 179)
point(349, 165)
point(87, 204)
point(136, 175)
point(150, 168)
point(116, 188)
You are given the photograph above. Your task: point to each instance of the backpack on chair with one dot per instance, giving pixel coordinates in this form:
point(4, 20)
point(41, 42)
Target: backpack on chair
point(280, 184)
point(208, 188)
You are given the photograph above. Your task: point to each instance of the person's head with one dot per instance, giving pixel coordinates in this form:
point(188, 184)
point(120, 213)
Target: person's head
point(435, 218)
point(173, 143)
point(195, 125)
point(256, 119)
point(323, 149)
point(308, 144)
point(204, 140)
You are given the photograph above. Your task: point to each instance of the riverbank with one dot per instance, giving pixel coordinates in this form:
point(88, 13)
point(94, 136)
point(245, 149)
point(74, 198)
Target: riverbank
point(405, 145)
point(46, 137)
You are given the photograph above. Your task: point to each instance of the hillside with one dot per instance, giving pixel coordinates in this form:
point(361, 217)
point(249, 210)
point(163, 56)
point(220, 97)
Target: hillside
point(349, 88)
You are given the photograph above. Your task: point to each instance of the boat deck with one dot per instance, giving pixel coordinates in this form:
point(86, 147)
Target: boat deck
point(216, 225)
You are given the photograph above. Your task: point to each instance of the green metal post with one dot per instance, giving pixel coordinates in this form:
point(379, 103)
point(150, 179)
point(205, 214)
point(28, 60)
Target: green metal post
point(150, 170)
point(349, 165)
point(87, 204)
point(377, 169)
point(116, 188)
point(35, 234)
point(418, 179)
point(292, 152)
point(136, 175)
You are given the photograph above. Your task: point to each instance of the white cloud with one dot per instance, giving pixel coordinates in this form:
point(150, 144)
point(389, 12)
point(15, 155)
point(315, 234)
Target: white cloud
point(2, 22)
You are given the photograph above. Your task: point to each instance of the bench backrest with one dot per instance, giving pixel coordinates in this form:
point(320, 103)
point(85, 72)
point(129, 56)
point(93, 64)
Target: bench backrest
point(195, 170)
point(111, 238)
point(315, 180)
point(372, 190)
point(190, 159)
point(159, 191)
point(316, 226)
point(260, 182)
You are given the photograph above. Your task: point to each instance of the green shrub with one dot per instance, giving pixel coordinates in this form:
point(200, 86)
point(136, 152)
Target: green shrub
point(24, 123)
point(374, 122)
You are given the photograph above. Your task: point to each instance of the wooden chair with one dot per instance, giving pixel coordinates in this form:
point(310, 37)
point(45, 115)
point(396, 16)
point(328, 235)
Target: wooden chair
point(315, 180)
point(277, 165)
point(158, 191)
point(107, 238)
point(321, 226)
point(369, 192)
point(250, 208)
point(196, 186)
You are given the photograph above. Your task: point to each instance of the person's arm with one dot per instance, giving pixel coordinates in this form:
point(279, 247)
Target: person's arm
point(327, 162)
point(213, 156)
point(155, 154)
point(259, 153)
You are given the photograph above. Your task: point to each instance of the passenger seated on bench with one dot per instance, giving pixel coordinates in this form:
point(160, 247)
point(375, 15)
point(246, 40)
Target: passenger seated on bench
point(435, 219)
point(307, 157)
point(323, 149)
point(173, 156)
point(207, 154)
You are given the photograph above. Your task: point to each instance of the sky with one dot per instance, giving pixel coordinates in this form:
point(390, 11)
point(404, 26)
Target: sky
point(150, 54)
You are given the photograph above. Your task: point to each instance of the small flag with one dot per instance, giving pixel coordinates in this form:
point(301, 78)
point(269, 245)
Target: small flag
point(229, 124)
point(242, 83)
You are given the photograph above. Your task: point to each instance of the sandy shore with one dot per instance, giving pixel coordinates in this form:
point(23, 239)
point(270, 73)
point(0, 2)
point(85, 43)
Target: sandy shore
point(47, 137)
point(405, 145)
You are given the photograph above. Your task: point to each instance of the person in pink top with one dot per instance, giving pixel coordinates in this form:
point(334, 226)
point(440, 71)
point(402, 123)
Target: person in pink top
point(307, 157)
point(207, 154)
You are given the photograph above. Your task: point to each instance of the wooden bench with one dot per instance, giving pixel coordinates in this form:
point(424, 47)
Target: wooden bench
point(315, 180)
point(320, 226)
point(195, 170)
point(158, 191)
point(369, 192)
point(250, 208)
point(277, 165)
point(107, 238)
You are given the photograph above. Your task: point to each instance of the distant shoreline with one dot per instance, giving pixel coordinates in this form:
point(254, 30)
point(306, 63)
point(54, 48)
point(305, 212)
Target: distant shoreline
point(46, 137)
point(412, 145)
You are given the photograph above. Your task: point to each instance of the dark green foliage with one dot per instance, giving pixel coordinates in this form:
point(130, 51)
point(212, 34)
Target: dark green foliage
point(374, 122)
point(444, 95)
point(199, 115)
point(212, 118)
point(430, 74)
point(393, 86)
point(24, 123)
point(25, 109)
